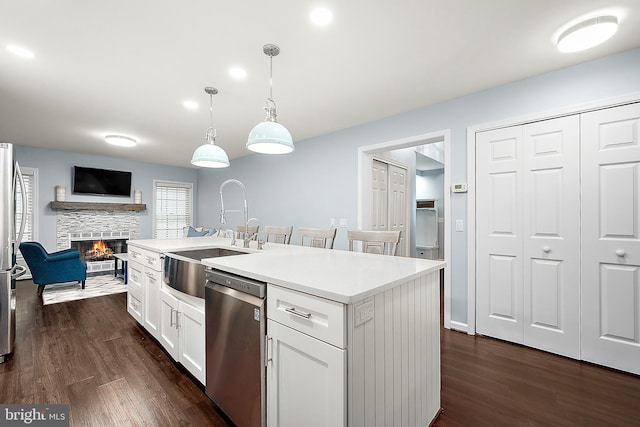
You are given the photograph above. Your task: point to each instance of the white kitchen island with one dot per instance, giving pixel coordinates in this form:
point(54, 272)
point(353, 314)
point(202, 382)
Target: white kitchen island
point(366, 349)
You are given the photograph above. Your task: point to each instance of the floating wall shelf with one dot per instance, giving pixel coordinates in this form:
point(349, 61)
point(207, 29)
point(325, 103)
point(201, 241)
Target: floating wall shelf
point(88, 206)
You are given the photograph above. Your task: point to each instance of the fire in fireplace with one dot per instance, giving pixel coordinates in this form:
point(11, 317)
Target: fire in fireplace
point(100, 250)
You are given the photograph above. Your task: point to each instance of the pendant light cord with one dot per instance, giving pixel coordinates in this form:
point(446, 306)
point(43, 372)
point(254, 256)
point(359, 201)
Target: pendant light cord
point(211, 132)
point(271, 77)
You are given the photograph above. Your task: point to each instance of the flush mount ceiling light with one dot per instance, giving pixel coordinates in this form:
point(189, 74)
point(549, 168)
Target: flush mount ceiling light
point(209, 155)
point(270, 137)
point(120, 140)
point(587, 34)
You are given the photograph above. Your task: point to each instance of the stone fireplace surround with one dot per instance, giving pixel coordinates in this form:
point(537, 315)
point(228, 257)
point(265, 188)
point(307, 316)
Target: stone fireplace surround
point(82, 225)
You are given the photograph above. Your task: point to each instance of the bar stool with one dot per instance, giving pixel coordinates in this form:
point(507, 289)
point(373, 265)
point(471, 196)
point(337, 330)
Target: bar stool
point(278, 234)
point(318, 237)
point(375, 242)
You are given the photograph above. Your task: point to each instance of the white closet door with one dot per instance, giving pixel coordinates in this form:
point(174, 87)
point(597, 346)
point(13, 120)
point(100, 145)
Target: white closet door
point(611, 237)
point(499, 212)
point(551, 258)
point(398, 204)
point(379, 196)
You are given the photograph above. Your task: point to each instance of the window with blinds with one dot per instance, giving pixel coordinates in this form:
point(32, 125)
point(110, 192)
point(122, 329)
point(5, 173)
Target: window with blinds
point(172, 208)
point(26, 205)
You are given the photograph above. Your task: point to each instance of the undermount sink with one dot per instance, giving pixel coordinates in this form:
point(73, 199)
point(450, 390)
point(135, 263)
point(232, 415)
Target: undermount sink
point(198, 255)
point(184, 271)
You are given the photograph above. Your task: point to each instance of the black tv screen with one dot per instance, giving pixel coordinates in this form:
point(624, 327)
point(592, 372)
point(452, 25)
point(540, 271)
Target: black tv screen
point(101, 181)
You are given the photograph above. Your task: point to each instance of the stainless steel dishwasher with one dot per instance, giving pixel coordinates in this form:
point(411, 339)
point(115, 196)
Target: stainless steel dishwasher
point(235, 339)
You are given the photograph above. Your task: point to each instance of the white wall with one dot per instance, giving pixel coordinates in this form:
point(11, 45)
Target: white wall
point(319, 179)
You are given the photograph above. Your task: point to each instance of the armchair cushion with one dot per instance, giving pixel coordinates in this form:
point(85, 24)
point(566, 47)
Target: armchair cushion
point(58, 267)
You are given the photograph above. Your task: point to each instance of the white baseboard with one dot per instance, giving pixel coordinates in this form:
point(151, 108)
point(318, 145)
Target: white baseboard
point(458, 326)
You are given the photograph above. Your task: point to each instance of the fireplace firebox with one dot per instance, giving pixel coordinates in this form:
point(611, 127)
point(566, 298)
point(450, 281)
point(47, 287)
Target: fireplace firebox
point(97, 249)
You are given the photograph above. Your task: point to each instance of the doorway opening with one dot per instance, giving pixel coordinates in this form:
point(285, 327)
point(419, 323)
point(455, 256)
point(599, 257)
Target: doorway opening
point(391, 149)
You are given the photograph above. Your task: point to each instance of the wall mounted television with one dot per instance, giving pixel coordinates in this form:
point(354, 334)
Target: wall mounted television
point(101, 181)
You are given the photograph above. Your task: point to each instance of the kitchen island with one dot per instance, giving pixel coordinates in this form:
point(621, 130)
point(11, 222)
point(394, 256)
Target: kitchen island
point(366, 350)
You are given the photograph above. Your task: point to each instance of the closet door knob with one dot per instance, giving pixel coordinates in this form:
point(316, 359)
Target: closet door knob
point(546, 249)
point(621, 253)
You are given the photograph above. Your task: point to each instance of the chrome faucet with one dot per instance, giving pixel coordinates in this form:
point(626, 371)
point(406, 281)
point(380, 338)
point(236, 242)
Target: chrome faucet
point(223, 212)
point(247, 237)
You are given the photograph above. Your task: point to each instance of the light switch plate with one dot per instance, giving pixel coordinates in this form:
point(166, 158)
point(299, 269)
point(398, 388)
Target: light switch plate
point(459, 225)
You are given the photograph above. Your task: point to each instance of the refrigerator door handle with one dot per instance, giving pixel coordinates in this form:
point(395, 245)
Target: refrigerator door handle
point(18, 176)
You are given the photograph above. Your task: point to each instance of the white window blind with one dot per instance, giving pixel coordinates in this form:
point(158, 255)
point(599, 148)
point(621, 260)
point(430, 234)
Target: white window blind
point(173, 208)
point(26, 205)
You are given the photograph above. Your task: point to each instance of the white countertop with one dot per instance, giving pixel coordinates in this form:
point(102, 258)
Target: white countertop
point(342, 276)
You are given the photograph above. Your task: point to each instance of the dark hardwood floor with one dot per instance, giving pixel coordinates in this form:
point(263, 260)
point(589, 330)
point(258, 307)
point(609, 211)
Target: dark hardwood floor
point(92, 355)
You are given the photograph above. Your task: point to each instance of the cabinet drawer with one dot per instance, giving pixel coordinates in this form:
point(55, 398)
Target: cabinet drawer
point(134, 306)
point(153, 260)
point(135, 254)
point(136, 277)
point(314, 316)
point(147, 258)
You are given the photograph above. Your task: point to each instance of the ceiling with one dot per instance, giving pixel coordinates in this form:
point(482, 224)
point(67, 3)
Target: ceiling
point(126, 67)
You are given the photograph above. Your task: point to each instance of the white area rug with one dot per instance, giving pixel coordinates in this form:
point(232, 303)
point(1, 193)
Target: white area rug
point(95, 286)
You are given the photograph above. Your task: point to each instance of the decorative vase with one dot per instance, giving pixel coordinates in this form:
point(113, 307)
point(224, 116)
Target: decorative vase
point(61, 193)
point(137, 196)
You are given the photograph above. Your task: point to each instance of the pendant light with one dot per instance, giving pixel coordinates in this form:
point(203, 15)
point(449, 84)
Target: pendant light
point(270, 137)
point(210, 155)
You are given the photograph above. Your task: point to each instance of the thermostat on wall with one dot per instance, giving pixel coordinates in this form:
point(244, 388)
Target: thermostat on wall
point(459, 188)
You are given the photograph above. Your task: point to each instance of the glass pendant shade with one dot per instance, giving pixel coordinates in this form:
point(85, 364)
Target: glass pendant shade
point(210, 156)
point(270, 138)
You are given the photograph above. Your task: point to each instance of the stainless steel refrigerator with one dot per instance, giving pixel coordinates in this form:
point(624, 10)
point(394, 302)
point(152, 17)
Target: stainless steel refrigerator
point(10, 176)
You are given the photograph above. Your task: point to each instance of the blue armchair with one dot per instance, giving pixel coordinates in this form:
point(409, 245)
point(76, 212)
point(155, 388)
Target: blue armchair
point(58, 267)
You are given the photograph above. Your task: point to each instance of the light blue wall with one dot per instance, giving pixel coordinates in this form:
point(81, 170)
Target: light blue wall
point(54, 168)
point(319, 179)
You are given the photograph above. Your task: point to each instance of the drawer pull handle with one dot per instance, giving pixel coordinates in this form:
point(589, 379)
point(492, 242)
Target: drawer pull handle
point(295, 312)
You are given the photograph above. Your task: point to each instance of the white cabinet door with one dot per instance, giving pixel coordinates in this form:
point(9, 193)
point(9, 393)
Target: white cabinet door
point(169, 314)
point(306, 380)
point(151, 289)
point(551, 236)
point(611, 237)
point(191, 326)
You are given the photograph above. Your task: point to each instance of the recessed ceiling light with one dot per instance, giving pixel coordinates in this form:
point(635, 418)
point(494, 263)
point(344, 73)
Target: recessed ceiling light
point(20, 51)
point(237, 73)
point(321, 16)
point(587, 34)
point(190, 105)
point(120, 140)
